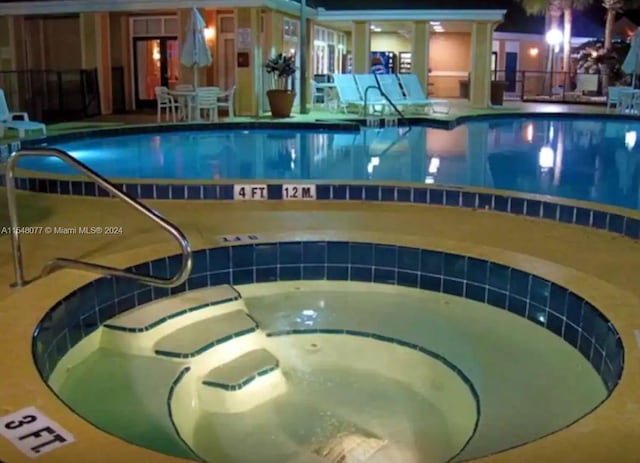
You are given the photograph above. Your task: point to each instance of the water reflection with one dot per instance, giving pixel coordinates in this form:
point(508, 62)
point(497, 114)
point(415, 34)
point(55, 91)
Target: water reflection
point(584, 159)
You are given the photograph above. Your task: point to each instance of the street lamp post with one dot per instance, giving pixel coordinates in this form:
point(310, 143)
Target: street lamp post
point(554, 38)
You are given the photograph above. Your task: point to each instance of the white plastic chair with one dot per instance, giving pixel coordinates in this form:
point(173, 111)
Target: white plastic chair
point(416, 96)
point(613, 96)
point(165, 101)
point(207, 102)
point(17, 121)
point(184, 101)
point(226, 100)
point(348, 93)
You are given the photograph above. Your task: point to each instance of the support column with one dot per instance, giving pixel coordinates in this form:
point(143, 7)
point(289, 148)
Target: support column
point(361, 47)
point(95, 49)
point(272, 44)
point(249, 78)
point(420, 53)
point(481, 46)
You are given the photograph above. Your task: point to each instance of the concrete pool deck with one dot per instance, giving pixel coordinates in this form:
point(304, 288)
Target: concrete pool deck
point(459, 108)
point(599, 266)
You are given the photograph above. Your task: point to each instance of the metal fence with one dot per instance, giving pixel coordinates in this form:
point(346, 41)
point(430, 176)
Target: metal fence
point(553, 87)
point(52, 96)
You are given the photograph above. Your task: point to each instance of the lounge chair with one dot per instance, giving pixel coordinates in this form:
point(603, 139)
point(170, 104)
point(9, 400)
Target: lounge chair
point(391, 87)
point(17, 121)
point(416, 97)
point(348, 93)
point(374, 98)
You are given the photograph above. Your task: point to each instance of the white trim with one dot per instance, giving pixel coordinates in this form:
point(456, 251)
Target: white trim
point(411, 15)
point(448, 74)
point(97, 6)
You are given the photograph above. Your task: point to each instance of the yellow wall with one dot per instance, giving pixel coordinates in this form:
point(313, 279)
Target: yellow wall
point(61, 43)
point(449, 58)
point(389, 41)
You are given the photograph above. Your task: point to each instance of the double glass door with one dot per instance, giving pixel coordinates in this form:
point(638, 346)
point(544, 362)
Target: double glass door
point(156, 64)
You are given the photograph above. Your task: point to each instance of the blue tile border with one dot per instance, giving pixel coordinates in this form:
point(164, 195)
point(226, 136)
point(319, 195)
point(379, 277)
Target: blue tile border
point(547, 304)
point(465, 198)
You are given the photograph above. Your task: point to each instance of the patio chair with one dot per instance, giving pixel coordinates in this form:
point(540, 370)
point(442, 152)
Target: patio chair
point(17, 121)
point(390, 85)
point(167, 103)
point(374, 98)
point(613, 96)
point(348, 93)
point(416, 96)
point(227, 101)
point(207, 102)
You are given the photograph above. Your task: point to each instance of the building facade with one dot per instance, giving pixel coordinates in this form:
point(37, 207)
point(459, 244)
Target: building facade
point(142, 38)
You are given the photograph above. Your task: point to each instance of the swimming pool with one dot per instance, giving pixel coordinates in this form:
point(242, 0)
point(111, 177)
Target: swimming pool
point(585, 159)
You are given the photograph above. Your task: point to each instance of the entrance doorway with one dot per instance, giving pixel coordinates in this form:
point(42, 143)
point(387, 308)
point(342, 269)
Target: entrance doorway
point(156, 63)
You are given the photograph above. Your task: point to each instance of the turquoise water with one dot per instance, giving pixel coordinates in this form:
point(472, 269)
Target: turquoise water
point(588, 159)
point(529, 381)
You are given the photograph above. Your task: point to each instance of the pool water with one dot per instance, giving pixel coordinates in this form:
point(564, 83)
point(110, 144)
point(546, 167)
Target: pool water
point(584, 159)
point(530, 383)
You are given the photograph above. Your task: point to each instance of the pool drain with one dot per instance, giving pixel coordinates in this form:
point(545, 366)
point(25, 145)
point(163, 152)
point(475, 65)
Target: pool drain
point(313, 347)
point(350, 448)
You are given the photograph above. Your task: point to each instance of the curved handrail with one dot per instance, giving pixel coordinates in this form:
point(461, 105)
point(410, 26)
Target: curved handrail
point(386, 97)
point(59, 263)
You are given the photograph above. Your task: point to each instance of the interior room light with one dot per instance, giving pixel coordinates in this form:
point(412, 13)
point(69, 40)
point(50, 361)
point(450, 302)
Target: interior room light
point(375, 161)
point(434, 164)
point(528, 132)
point(546, 157)
point(630, 139)
point(434, 23)
point(208, 33)
point(534, 51)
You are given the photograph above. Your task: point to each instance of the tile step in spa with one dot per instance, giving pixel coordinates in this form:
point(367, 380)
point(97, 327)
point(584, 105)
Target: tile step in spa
point(138, 330)
point(243, 383)
point(199, 337)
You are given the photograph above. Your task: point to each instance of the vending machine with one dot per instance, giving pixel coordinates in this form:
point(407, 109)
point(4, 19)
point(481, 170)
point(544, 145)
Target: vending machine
point(384, 62)
point(405, 62)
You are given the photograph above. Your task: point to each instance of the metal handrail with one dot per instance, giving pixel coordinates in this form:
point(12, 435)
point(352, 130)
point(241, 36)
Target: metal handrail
point(59, 263)
point(384, 95)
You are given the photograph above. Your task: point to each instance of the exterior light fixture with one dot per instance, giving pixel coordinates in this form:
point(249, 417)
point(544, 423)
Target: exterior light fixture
point(534, 51)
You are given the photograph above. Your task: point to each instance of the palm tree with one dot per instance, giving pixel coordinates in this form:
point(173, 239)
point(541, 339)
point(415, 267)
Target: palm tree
point(614, 7)
point(552, 9)
point(567, 8)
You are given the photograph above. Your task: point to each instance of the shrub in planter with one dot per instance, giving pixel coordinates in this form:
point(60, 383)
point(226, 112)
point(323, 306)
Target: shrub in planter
point(281, 68)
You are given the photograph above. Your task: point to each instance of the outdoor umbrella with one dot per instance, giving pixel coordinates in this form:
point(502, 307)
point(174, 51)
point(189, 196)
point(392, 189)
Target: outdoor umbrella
point(195, 52)
point(631, 63)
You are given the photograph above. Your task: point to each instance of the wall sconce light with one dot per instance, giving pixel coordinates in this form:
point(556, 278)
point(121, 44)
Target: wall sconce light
point(209, 33)
point(534, 51)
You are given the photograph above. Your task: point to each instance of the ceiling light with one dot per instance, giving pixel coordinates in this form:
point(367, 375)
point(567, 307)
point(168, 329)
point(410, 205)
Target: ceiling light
point(434, 23)
point(372, 27)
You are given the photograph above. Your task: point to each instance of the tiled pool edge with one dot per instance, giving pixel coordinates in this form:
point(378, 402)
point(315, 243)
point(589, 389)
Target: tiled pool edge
point(504, 202)
point(541, 301)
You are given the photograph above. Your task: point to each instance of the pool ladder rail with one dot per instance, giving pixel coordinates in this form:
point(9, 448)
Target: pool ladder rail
point(60, 263)
point(387, 119)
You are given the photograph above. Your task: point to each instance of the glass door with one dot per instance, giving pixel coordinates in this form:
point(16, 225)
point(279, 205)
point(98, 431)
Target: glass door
point(156, 64)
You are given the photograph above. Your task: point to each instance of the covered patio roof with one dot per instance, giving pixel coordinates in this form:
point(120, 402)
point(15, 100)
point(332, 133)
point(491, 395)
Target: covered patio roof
point(322, 10)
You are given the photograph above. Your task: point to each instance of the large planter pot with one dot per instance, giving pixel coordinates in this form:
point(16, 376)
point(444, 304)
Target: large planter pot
point(280, 102)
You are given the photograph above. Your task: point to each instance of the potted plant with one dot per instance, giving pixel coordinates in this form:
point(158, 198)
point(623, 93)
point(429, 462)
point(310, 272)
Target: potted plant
point(281, 68)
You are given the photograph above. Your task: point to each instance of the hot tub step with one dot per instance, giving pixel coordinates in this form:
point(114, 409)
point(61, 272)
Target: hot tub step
point(196, 338)
point(242, 371)
point(154, 314)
